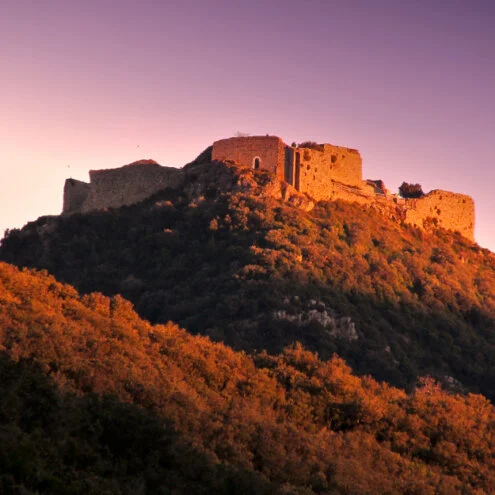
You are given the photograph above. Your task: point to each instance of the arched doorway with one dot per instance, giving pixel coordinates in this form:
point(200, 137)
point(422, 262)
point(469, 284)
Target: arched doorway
point(256, 162)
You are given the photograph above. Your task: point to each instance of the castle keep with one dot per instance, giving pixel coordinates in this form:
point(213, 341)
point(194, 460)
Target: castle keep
point(309, 170)
point(327, 172)
point(320, 171)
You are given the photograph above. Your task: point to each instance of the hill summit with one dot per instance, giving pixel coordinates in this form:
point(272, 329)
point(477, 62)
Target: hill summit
point(318, 171)
point(239, 255)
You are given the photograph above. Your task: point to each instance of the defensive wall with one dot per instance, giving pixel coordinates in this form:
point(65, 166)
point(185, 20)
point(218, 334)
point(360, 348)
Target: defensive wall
point(328, 172)
point(316, 170)
point(322, 172)
point(75, 194)
point(120, 186)
point(442, 209)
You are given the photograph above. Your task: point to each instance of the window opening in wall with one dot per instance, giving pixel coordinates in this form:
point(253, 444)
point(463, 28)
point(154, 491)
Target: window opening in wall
point(256, 163)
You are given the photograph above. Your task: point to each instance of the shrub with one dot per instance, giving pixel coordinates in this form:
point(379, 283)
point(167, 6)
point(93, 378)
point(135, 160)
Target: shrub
point(407, 190)
point(310, 144)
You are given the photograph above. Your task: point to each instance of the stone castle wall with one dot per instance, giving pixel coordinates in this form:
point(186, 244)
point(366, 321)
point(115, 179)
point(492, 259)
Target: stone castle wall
point(444, 209)
point(312, 173)
point(346, 164)
point(324, 173)
point(309, 170)
point(75, 194)
point(243, 150)
point(318, 170)
point(448, 210)
point(119, 187)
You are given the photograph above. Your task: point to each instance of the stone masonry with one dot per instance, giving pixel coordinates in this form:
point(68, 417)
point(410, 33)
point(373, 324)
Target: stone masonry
point(264, 152)
point(309, 170)
point(120, 186)
point(442, 209)
point(327, 172)
point(322, 172)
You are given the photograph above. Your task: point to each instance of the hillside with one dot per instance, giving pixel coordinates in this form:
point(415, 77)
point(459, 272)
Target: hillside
point(244, 267)
point(190, 416)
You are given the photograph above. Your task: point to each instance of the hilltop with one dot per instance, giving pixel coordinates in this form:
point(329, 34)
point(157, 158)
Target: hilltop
point(317, 171)
point(247, 259)
point(186, 415)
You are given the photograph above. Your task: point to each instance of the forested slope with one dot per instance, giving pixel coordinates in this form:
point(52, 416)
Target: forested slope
point(258, 273)
point(188, 415)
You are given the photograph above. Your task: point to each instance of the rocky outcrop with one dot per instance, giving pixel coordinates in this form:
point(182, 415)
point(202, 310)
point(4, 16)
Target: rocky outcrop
point(340, 327)
point(207, 178)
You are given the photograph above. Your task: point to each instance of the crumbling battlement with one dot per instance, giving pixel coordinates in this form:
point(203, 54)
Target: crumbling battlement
point(120, 186)
point(320, 172)
point(442, 209)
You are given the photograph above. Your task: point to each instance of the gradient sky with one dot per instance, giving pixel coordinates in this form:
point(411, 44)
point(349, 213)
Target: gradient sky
point(98, 84)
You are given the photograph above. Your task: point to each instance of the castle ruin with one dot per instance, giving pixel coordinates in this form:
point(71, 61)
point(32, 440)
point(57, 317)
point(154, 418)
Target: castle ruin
point(118, 187)
point(320, 171)
point(327, 172)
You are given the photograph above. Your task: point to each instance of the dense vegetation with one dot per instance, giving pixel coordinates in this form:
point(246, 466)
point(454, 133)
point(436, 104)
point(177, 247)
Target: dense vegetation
point(407, 190)
point(56, 442)
point(191, 416)
point(226, 265)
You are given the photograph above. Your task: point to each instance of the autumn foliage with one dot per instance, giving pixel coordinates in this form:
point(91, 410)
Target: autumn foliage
point(287, 423)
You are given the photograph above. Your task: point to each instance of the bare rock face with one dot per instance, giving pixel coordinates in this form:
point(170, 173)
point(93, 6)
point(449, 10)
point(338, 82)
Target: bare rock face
point(452, 384)
point(208, 178)
point(235, 178)
point(281, 190)
point(340, 327)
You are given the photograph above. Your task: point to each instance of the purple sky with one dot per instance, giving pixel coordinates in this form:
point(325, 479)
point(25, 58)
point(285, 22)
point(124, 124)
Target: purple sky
point(98, 84)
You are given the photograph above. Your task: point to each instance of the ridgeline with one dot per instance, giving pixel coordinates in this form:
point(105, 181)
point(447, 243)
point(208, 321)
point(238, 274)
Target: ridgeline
point(237, 256)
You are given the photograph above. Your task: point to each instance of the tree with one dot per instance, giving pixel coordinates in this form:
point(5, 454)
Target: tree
point(310, 144)
point(407, 190)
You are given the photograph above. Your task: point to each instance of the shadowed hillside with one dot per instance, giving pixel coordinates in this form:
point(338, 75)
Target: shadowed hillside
point(269, 424)
point(56, 442)
point(258, 273)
